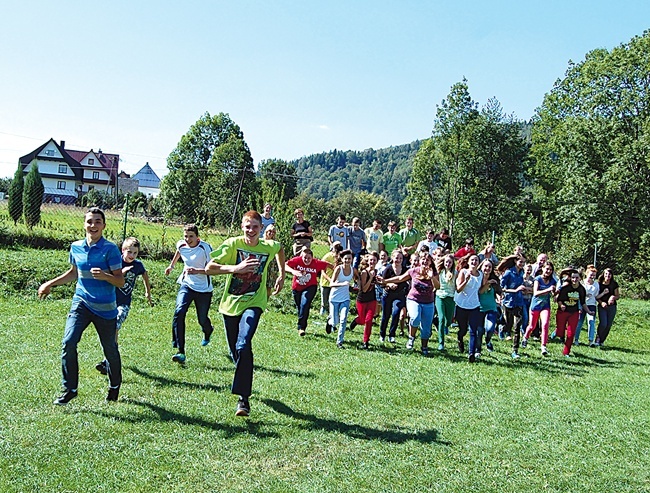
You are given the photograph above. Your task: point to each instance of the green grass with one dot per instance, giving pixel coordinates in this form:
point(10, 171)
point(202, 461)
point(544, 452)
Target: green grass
point(322, 419)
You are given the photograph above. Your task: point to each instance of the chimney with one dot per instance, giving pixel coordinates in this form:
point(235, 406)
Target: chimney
point(63, 144)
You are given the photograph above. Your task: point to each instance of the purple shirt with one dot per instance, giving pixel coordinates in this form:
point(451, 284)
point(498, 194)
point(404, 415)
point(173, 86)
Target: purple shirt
point(421, 289)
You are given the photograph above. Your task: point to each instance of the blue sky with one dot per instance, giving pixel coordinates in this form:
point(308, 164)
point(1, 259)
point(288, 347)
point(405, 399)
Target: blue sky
point(130, 77)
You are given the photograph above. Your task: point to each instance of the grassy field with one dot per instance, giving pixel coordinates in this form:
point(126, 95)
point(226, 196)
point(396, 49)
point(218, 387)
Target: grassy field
point(323, 420)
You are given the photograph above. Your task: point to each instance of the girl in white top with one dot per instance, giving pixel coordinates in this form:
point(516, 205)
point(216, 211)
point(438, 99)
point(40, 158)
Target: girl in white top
point(591, 288)
point(340, 294)
point(468, 311)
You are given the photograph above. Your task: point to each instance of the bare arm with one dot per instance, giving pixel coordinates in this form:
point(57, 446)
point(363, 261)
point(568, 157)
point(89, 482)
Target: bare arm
point(115, 277)
point(279, 282)
point(68, 276)
point(177, 255)
point(248, 266)
point(147, 287)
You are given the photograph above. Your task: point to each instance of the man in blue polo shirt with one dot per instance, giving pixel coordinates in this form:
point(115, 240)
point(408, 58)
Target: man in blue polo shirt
point(96, 265)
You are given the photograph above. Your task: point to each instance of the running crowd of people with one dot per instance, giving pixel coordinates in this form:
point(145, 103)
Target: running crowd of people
point(406, 280)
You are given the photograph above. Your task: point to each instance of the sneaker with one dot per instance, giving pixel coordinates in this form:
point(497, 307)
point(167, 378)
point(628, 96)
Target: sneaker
point(410, 342)
point(441, 347)
point(477, 355)
point(567, 356)
point(382, 339)
point(364, 346)
point(461, 346)
point(339, 345)
point(592, 344)
point(206, 337)
point(66, 397)
point(112, 394)
point(471, 358)
point(328, 328)
point(301, 332)
point(243, 407)
point(392, 340)
point(508, 337)
point(425, 351)
point(562, 340)
point(179, 358)
point(576, 343)
point(353, 324)
point(101, 368)
point(544, 351)
point(553, 335)
point(489, 347)
point(524, 343)
point(515, 355)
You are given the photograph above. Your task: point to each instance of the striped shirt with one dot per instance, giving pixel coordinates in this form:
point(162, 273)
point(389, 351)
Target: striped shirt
point(97, 295)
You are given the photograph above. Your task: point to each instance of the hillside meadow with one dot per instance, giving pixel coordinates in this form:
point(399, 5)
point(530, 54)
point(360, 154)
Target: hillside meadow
point(323, 420)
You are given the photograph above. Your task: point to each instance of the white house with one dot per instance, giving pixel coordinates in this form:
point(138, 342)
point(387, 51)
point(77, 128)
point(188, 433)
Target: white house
point(68, 174)
point(148, 181)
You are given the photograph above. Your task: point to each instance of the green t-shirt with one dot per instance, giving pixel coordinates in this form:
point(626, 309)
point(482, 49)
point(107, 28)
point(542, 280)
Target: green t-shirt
point(392, 241)
point(410, 237)
point(244, 291)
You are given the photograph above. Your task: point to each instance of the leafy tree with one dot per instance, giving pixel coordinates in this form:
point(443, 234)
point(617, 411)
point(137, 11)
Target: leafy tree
point(16, 195)
point(211, 176)
point(364, 205)
point(33, 196)
point(591, 174)
point(279, 178)
point(468, 175)
point(5, 183)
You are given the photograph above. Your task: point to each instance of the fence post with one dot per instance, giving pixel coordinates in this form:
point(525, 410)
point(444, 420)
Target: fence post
point(595, 251)
point(126, 215)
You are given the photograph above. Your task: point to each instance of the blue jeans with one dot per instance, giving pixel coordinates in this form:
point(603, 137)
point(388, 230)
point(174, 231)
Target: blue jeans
point(79, 318)
point(391, 307)
point(202, 302)
point(605, 320)
point(591, 322)
point(239, 334)
point(487, 328)
point(303, 300)
point(421, 315)
point(469, 319)
point(339, 316)
point(525, 315)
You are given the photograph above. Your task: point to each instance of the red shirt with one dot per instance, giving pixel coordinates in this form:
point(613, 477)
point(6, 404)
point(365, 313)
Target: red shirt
point(309, 275)
point(464, 251)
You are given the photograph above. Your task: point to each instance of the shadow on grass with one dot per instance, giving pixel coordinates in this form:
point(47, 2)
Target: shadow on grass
point(171, 382)
point(165, 415)
point(311, 422)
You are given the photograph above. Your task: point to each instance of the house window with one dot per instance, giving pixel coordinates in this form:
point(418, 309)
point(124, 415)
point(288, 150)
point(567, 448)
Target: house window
point(95, 175)
point(63, 169)
point(91, 162)
point(60, 185)
point(49, 152)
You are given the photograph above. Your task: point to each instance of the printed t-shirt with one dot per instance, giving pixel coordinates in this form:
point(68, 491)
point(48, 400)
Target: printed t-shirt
point(244, 291)
point(339, 234)
point(309, 272)
point(124, 293)
point(570, 296)
point(374, 237)
point(96, 294)
point(392, 241)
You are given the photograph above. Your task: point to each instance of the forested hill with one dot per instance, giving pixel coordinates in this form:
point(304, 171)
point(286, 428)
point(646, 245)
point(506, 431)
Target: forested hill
point(381, 171)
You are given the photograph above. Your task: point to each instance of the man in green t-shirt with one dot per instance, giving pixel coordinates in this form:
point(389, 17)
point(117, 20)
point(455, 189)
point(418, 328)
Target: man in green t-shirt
point(392, 239)
point(245, 260)
point(410, 236)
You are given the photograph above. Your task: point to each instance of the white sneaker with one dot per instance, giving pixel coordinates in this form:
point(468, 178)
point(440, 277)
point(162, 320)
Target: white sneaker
point(391, 340)
point(410, 342)
point(382, 339)
point(544, 351)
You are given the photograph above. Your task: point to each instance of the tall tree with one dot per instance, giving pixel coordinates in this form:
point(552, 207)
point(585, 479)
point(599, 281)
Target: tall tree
point(468, 175)
point(16, 195)
point(591, 139)
point(278, 178)
point(33, 196)
point(211, 174)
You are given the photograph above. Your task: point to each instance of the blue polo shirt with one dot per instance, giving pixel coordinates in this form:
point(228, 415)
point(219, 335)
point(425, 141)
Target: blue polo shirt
point(97, 295)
